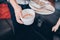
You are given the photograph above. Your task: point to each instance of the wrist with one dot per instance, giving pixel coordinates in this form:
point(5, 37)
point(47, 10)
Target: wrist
point(57, 25)
point(13, 3)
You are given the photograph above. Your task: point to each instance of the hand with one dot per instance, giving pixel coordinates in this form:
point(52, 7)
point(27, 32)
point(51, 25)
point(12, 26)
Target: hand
point(55, 28)
point(18, 14)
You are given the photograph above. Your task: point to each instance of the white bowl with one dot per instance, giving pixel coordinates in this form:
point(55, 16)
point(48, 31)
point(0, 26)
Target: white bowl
point(30, 20)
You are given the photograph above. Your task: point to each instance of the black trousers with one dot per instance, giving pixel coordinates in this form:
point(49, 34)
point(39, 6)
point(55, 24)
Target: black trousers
point(6, 29)
point(24, 32)
point(35, 31)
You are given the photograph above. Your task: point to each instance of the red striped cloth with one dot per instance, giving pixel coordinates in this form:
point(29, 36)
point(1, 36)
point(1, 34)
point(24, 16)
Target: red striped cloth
point(4, 11)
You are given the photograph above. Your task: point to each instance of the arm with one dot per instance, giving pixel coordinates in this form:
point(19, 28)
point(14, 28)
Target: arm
point(18, 11)
point(55, 28)
point(58, 23)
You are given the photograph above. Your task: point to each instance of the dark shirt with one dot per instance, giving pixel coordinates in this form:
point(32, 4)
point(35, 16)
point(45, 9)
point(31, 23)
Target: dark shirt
point(3, 1)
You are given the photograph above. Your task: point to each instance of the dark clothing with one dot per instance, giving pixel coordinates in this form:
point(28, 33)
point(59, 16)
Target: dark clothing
point(24, 32)
point(26, 6)
point(6, 26)
point(3, 1)
point(6, 29)
point(34, 31)
point(52, 18)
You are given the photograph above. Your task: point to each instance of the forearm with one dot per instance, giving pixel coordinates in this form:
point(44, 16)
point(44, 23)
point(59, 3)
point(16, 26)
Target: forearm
point(14, 4)
point(58, 23)
point(17, 8)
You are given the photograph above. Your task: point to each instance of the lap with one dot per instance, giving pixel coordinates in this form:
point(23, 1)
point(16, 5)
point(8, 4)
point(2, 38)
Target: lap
point(5, 25)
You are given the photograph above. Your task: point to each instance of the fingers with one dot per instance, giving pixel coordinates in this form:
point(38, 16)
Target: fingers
point(19, 21)
point(54, 29)
point(18, 15)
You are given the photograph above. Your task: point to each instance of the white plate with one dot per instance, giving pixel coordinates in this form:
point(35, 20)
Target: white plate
point(42, 13)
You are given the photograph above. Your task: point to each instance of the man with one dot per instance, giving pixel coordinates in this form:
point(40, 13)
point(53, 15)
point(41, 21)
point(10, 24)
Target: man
point(5, 20)
point(23, 32)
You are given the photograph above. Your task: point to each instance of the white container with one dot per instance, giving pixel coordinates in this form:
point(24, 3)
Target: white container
point(29, 20)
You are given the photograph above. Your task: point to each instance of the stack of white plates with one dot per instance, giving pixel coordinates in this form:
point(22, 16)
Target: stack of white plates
point(37, 7)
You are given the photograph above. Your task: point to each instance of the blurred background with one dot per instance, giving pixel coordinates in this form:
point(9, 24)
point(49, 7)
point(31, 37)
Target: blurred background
point(40, 31)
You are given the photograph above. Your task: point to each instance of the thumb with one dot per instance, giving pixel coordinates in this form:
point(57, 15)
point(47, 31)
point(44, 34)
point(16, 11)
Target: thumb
point(19, 21)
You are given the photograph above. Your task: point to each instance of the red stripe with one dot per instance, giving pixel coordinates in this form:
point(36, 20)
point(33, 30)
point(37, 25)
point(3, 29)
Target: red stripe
point(4, 11)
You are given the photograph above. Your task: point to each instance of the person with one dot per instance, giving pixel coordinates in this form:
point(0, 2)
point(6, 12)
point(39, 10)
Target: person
point(56, 30)
point(55, 27)
point(23, 32)
point(5, 20)
point(18, 9)
point(57, 24)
